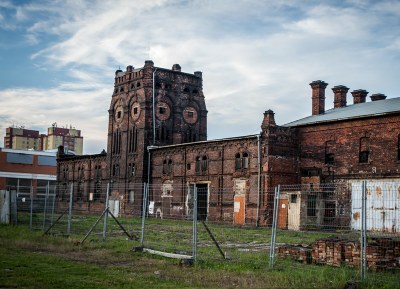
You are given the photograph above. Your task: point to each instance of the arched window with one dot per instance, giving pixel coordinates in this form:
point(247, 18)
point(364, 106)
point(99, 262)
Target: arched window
point(238, 162)
point(164, 167)
point(198, 165)
point(245, 161)
point(169, 167)
point(204, 165)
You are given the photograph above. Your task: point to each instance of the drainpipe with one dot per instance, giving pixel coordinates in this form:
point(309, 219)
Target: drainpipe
point(258, 178)
point(154, 110)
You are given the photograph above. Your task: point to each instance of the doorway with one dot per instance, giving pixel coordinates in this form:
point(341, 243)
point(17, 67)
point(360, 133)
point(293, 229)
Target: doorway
point(202, 201)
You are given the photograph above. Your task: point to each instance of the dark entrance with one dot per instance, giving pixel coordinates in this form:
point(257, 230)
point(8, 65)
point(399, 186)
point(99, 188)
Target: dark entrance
point(202, 201)
point(329, 215)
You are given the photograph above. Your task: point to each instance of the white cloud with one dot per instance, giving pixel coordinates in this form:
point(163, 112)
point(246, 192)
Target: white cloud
point(255, 55)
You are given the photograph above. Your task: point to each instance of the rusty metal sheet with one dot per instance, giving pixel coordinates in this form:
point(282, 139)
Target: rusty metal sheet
point(383, 205)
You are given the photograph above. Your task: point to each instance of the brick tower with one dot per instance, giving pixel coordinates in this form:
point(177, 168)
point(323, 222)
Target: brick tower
point(176, 113)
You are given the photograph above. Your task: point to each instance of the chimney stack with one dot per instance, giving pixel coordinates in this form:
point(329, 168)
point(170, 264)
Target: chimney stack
point(378, 96)
point(359, 96)
point(340, 92)
point(176, 67)
point(318, 96)
point(269, 119)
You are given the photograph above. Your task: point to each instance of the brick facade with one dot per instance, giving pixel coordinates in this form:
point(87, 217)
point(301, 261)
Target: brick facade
point(347, 142)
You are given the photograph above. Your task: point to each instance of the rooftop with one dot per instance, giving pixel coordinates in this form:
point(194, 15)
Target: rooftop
point(354, 111)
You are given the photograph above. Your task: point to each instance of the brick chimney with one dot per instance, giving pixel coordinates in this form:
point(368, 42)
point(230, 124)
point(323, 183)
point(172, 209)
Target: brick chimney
point(269, 120)
point(340, 94)
point(359, 96)
point(318, 96)
point(176, 67)
point(378, 96)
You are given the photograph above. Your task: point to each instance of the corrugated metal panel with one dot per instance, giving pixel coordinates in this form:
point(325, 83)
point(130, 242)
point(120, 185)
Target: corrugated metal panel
point(371, 108)
point(383, 205)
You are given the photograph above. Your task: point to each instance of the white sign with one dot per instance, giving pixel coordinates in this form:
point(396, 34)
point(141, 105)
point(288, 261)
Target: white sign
point(236, 207)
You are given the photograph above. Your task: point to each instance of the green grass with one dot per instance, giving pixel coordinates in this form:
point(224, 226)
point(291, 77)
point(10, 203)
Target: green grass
point(30, 260)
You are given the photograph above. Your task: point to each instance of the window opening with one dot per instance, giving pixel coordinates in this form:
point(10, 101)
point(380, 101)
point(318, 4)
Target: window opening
point(364, 150)
point(245, 161)
point(311, 205)
point(238, 162)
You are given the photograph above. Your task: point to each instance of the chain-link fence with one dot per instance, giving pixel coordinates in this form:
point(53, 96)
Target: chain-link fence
point(348, 225)
point(353, 225)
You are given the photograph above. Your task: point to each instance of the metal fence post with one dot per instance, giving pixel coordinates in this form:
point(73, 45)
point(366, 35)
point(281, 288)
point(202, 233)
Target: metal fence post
point(53, 205)
point(144, 208)
point(363, 265)
point(274, 225)
point(106, 214)
point(194, 244)
point(31, 210)
point(45, 205)
point(71, 194)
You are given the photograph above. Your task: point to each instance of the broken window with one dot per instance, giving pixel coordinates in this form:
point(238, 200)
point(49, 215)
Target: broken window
point(245, 161)
point(364, 150)
point(131, 169)
point(238, 162)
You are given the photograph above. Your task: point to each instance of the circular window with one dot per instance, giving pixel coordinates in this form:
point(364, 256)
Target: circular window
point(163, 111)
point(119, 113)
point(135, 111)
point(190, 115)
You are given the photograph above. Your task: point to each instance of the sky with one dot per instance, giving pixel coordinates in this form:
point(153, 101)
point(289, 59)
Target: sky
point(58, 57)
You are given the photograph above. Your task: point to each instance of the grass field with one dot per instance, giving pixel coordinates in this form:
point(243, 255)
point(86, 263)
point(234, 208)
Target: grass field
point(30, 260)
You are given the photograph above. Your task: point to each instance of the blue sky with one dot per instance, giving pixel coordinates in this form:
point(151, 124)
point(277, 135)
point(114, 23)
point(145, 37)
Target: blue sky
point(58, 58)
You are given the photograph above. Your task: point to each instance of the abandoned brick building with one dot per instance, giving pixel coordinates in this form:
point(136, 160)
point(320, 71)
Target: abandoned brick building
point(157, 134)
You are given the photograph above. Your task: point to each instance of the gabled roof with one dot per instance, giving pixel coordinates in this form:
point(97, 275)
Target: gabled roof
point(359, 110)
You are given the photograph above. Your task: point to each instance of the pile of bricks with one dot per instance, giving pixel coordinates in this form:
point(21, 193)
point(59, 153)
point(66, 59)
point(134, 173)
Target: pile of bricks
point(328, 251)
point(300, 253)
point(382, 253)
